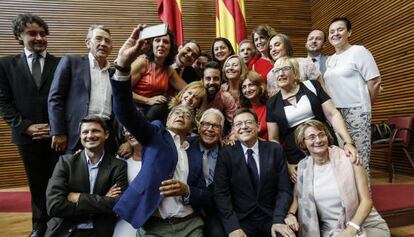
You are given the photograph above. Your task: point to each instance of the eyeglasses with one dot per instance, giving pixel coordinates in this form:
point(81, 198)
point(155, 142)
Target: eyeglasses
point(283, 69)
point(247, 123)
point(206, 125)
point(313, 137)
point(186, 114)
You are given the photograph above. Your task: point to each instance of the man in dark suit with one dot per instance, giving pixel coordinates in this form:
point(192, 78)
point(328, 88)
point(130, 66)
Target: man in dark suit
point(252, 188)
point(81, 87)
point(314, 45)
point(24, 86)
point(85, 186)
point(163, 198)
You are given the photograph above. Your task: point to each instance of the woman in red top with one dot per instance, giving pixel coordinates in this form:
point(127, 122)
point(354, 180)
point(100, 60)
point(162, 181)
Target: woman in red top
point(254, 96)
point(151, 76)
point(262, 64)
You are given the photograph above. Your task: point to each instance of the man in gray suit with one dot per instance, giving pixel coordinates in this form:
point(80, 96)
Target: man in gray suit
point(314, 45)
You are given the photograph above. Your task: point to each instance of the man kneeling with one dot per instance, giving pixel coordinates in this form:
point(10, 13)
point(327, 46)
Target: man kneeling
point(85, 186)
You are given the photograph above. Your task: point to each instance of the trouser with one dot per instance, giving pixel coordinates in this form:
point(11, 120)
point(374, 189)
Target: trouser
point(39, 161)
point(190, 226)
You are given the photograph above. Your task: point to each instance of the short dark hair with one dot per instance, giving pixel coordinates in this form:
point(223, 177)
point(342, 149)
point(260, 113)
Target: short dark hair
point(171, 55)
point(20, 23)
point(226, 42)
point(205, 54)
point(246, 110)
point(194, 42)
point(94, 119)
point(344, 19)
point(213, 65)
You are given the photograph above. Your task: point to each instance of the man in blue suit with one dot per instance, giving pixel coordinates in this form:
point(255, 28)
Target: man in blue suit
point(163, 198)
point(81, 87)
point(252, 188)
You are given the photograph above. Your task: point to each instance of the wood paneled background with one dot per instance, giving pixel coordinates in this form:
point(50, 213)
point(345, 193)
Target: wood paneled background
point(384, 27)
point(69, 20)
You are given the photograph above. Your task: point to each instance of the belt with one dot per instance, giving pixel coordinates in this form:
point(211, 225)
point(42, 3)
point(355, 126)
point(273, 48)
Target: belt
point(172, 220)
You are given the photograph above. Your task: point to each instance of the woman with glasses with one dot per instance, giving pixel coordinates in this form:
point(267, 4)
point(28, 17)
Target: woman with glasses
point(353, 81)
point(331, 197)
point(151, 76)
point(281, 46)
point(253, 95)
point(295, 103)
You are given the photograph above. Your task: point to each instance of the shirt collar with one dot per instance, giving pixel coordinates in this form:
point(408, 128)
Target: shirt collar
point(93, 63)
point(255, 148)
point(29, 54)
point(185, 145)
point(212, 150)
point(89, 162)
point(318, 58)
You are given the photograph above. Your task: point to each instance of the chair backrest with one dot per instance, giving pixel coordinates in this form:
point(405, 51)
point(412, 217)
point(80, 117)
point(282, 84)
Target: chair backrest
point(402, 122)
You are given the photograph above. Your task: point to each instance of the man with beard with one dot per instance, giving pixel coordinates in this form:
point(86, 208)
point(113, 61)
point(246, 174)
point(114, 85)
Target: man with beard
point(24, 86)
point(217, 98)
point(187, 54)
point(210, 130)
point(314, 46)
point(81, 87)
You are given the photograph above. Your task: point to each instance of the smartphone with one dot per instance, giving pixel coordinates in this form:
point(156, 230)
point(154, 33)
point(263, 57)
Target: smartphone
point(153, 31)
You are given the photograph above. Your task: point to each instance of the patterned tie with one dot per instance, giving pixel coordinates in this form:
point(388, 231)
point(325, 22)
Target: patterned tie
point(36, 69)
point(252, 167)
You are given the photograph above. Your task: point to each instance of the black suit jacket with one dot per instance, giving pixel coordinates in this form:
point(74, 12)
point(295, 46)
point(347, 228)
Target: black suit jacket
point(21, 102)
point(234, 194)
point(71, 175)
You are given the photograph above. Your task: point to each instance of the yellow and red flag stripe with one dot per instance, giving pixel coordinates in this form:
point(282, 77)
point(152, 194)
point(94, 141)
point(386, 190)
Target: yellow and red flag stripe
point(231, 21)
point(170, 13)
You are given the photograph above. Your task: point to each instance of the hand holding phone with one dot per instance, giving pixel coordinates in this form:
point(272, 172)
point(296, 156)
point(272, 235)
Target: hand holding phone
point(153, 31)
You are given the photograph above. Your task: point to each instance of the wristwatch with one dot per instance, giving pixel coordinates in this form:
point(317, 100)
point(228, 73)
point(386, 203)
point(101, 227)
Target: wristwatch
point(122, 69)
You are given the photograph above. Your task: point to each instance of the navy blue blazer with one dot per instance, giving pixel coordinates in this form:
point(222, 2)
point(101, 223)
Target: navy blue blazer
point(234, 193)
point(69, 95)
point(159, 159)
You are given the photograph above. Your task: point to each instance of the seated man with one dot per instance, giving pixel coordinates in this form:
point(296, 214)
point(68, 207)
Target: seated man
point(252, 188)
point(162, 199)
point(85, 186)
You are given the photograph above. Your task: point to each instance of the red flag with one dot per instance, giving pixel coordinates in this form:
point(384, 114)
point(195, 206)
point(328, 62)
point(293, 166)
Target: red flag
point(170, 13)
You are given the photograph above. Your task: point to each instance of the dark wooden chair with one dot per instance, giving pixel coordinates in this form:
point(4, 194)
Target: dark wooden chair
point(399, 139)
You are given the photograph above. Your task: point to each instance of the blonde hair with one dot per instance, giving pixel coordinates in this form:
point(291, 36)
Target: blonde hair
point(300, 133)
point(243, 67)
point(199, 91)
point(292, 62)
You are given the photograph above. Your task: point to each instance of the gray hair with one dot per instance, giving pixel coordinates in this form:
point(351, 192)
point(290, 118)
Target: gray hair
point(213, 111)
point(186, 107)
point(93, 27)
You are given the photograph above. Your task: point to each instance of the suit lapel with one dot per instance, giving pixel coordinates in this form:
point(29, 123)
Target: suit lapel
point(263, 156)
point(85, 73)
point(241, 165)
point(24, 68)
point(101, 176)
point(47, 69)
point(83, 169)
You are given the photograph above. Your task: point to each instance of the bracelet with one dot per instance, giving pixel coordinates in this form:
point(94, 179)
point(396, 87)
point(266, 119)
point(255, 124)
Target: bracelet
point(355, 226)
point(125, 69)
point(350, 143)
point(289, 212)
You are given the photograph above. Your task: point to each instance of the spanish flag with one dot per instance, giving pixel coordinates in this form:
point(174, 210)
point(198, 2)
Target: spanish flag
point(170, 13)
point(231, 21)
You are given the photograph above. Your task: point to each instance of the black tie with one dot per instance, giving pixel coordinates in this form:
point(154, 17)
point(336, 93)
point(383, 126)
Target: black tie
point(314, 60)
point(36, 69)
point(251, 165)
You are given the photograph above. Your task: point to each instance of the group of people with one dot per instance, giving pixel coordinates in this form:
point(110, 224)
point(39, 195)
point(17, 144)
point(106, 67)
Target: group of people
point(258, 143)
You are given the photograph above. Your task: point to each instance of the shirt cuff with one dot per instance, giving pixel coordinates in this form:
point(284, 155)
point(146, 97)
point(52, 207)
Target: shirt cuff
point(120, 78)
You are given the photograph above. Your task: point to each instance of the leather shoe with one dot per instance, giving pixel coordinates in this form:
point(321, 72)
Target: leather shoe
point(37, 232)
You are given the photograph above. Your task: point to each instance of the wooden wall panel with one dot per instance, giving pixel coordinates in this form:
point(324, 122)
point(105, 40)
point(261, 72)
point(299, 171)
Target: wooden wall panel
point(386, 29)
point(69, 20)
